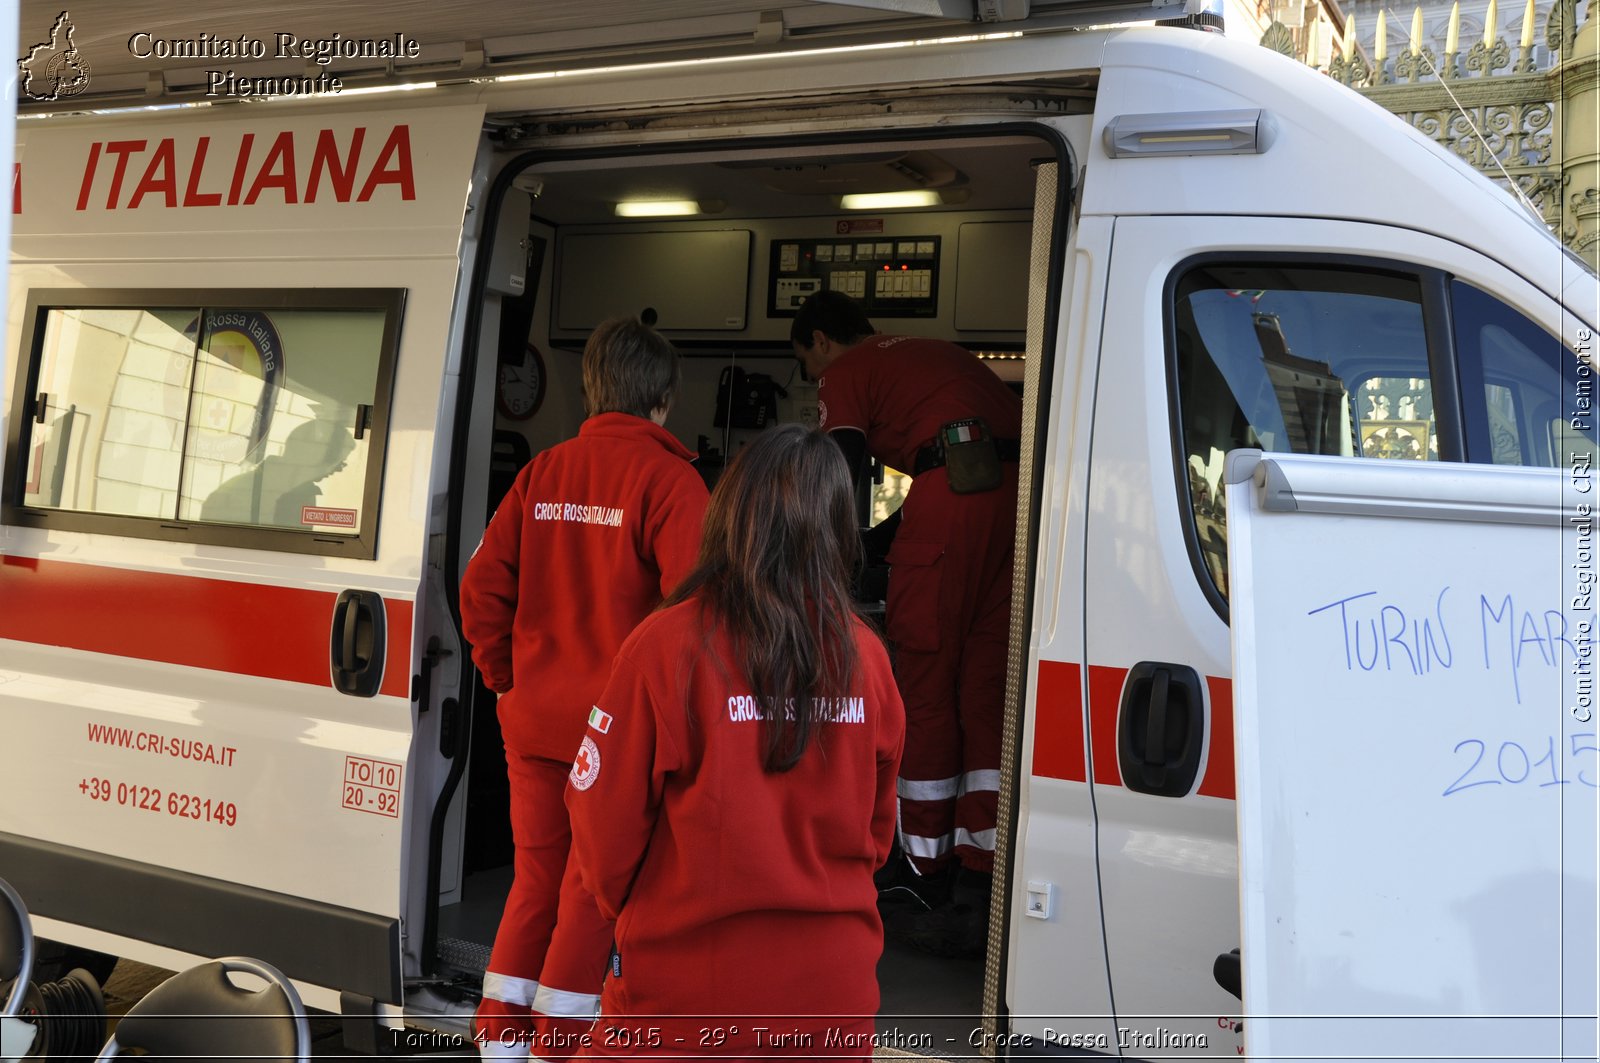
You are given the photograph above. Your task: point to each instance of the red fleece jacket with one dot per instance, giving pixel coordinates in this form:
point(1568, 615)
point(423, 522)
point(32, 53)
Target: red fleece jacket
point(591, 537)
point(736, 892)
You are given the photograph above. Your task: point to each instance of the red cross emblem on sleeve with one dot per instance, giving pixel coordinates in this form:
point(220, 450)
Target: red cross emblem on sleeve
point(586, 766)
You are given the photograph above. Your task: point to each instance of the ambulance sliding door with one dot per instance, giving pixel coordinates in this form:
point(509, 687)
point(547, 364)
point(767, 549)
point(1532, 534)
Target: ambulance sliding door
point(228, 341)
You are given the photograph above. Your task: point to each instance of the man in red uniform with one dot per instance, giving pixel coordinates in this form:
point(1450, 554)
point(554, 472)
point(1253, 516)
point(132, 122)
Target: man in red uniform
point(930, 408)
point(592, 535)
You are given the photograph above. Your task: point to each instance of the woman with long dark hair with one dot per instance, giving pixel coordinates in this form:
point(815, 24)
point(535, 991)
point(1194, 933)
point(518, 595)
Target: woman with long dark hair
point(736, 787)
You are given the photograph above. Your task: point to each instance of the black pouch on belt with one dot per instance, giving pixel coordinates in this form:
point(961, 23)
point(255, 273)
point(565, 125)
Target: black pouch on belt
point(971, 459)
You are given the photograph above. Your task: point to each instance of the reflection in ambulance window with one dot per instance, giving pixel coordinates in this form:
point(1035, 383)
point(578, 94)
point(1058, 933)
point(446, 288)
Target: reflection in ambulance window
point(1538, 398)
point(113, 383)
point(234, 416)
point(283, 487)
point(1395, 418)
point(275, 404)
point(1294, 359)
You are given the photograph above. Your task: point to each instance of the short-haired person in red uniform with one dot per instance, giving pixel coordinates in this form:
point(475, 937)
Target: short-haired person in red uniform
point(736, 788)
point(931, 408)
point(593, 534)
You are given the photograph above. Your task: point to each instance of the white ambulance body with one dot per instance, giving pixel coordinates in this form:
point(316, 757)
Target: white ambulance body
point(249, 730)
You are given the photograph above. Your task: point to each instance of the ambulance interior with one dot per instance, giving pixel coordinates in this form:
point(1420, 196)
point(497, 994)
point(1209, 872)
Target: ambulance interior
point(765, 228)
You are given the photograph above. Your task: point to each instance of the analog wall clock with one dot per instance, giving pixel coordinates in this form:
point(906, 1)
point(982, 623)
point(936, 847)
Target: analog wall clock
point(519, 387)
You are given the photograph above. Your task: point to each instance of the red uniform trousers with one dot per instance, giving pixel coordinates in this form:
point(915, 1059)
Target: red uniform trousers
point(949, 621)
point(542, 988)
point(674, 1039)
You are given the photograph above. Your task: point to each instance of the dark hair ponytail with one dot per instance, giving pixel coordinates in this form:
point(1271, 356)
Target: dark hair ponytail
point(775, 567)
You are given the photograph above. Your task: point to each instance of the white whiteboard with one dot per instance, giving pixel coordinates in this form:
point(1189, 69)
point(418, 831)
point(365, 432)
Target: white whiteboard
point(1414, 652)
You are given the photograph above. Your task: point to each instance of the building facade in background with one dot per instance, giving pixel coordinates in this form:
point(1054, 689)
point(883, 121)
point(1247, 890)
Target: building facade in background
point(1512, 88)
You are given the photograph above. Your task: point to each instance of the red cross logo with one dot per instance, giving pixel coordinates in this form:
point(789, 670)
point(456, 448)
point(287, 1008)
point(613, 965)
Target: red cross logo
point(586, 766)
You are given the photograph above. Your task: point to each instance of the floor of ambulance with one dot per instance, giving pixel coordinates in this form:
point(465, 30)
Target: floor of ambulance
point(930, 1005)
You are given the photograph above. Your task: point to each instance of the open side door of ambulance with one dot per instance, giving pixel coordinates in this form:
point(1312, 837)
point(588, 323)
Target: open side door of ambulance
point(1022, 163)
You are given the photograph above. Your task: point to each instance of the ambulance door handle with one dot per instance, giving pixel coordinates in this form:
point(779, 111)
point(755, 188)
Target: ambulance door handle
point(357, 642)
point(1160, 729)
point(1155, 732)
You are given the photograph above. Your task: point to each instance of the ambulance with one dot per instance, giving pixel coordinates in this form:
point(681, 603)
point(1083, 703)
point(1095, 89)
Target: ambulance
point(273, 356)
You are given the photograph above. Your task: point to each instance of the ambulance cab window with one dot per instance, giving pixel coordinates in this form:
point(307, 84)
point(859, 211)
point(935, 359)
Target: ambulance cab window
point(1538, 399)
point(211, 423)
point(1294, 359)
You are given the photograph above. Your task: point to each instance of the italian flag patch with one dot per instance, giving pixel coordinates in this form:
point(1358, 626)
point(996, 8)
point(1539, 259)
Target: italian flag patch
point(966, 432)
point(600, 721)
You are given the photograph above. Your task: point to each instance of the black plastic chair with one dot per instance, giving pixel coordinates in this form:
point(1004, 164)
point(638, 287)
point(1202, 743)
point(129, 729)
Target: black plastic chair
point(16, 949)
point(201, 1014)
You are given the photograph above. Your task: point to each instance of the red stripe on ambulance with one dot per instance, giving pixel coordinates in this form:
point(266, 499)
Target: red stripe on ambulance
point(197, 621)
point(1219, 781)
point(1058, 742)
point(1058, 723)
point(1105, 699)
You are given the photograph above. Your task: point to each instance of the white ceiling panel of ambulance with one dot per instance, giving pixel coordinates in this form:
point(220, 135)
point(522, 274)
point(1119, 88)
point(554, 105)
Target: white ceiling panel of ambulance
point(965, 175)
point(142, 52)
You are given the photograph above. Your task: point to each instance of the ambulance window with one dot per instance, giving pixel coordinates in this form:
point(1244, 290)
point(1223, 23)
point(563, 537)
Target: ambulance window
point(1294, 359)
point(1538, 399)
point(108, 413)
point(276, 445)
point(208, 422)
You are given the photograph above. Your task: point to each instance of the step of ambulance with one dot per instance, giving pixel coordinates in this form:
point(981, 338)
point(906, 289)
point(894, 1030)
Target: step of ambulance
point(466, 957)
